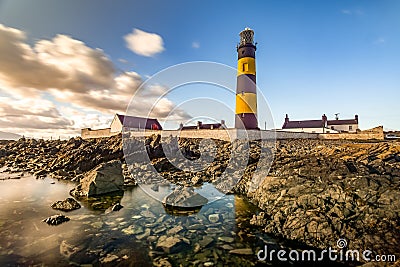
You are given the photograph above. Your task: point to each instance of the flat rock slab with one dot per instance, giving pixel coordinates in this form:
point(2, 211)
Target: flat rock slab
point(172, 244)
point(242, 251)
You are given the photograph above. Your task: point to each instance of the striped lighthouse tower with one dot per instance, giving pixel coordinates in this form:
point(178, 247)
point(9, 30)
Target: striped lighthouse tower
point(246, 91)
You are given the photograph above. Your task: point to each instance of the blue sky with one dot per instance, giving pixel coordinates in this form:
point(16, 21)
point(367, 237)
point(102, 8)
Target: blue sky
point(313, 57)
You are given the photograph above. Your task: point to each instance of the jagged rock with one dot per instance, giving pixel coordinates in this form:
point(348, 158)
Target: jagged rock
point(117, 207)
point(105, 178)
point(56, 219)
point(109, 258)
point(161, 262)
point(258, 220)
point(315, 192)
point(66, 205)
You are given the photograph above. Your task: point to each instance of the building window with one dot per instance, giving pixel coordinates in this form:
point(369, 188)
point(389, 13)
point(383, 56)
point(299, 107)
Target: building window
point(245, 67)
point(350, 127)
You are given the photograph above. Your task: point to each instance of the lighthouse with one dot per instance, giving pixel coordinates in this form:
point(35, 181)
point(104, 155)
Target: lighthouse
point(246, 90)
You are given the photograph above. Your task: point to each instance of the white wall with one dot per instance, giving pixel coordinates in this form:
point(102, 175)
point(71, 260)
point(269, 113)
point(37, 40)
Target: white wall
point(345, 127)
point(116, 125)
point(309, 130)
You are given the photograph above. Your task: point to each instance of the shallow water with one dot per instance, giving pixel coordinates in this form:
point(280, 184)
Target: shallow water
point(126, 237)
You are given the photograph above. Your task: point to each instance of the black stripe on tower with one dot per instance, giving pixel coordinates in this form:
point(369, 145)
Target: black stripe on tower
point(246, 82)
point(246, 50)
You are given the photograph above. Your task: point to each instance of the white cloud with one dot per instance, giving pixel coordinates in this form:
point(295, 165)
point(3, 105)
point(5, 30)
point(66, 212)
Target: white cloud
point(63, 63)
point(196, 45)
point(31, 114)
point(144, 43)
point(71, 72)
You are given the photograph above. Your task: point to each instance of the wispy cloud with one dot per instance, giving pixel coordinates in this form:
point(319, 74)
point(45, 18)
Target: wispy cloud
point(379, 41)
point(144, 43)
point(349, 12)
point(346, 12)
point(196, 45)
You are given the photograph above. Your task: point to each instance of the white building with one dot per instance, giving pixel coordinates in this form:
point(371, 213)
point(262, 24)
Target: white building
point(120, 123)
point(132, 123)
point(321, 126)
point(350, 125)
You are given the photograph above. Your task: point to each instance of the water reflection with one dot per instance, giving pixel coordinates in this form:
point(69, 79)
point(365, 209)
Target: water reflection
point(103, 202)
point(142, 233)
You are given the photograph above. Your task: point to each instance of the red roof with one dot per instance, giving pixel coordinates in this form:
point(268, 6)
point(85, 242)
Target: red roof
point(138, 122)
point(303, 124)
point(342, 122)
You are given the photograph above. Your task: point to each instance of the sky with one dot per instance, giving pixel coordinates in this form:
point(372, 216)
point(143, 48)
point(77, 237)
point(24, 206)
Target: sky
point(67, 65)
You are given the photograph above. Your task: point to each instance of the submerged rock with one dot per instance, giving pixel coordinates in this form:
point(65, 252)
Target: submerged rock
point(67, 250)
point(213, 218)
point(56, 219)
point(66, 205)
point(105, 178)
point(172, 244)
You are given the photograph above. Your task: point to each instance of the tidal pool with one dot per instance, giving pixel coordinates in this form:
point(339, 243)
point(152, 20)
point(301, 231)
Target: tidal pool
point(142, 233)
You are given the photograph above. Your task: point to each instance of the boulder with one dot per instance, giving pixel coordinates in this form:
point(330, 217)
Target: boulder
point(184, 197)
point(105, 178)
point(66, 205)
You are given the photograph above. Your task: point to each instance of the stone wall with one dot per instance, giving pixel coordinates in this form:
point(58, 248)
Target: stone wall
point(281, 135)
point(221, 134)
point(232, 134)
point(89, 133)
point(227, 134)
point(371, 134)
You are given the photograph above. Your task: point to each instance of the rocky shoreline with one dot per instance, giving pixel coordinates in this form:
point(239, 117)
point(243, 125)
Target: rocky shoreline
point(316, 191)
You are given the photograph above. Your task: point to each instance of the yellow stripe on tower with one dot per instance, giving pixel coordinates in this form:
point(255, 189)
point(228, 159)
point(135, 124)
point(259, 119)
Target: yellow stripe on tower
point(246, 103)
point(246, 65)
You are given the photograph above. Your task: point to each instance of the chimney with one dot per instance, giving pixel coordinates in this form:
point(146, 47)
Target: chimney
point(223, 124)
point(324, 120)
point(356, 118)
point(287, 118)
